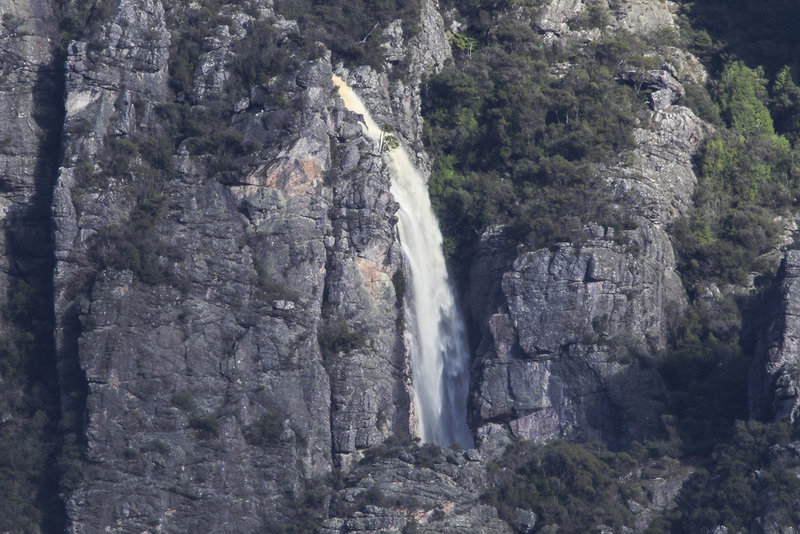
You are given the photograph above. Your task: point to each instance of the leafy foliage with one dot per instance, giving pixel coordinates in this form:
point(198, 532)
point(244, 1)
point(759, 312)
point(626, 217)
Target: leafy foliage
point(136, 246)
point(748, 173)
point(785, 104)
point(574, 486)
point(308, 510)
point(759, 32)
point(705, 370)
point(206, 424)
point(338, 336)
point(184, 400)
point(745, 480)
point(266, 430)
point(516, 143)
point(29, 444)
point(351, 29)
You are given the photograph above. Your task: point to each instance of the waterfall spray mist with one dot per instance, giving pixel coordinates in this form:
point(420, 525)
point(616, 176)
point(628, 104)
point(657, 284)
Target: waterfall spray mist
point(435, 333)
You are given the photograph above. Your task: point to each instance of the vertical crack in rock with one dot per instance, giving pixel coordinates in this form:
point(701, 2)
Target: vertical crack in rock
point(31, 111)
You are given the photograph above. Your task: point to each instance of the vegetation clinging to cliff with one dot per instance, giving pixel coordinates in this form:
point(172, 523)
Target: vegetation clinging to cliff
point(352, 30)
point(517, 139)
point(513, 147)
point(748, 174)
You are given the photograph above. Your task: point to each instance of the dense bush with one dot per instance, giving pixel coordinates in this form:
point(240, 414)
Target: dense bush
point(136, 245)
point(206, 424)
point(338, 336)
point(759, 32)
point(747, 174)
point(271, 286)
point(184, 400)
point(705, 370)
point(516, 143)
point(351, 29)
point(574, 486)
point(308, 510)
point(266, 430)
point(744, 480)
point(30, 439)
point(156, 445)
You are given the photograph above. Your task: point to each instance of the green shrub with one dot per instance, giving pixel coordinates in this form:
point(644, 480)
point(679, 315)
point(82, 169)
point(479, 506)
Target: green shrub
point(427, 455)
point(594, 15)
point(31, 469)
point(270, 285)
point(399, 282)
point(266, 430)
point(574, 486)
point(744, 480)
point(785, 104)
point(351, 29)
point(337, 336)
point(759, 33)
point(516, 144)
point(157, 445)
point(207, 425)
point(137, 245)
point(706, 370)
point(742, 94)
point(307, 511)
point(184, 400)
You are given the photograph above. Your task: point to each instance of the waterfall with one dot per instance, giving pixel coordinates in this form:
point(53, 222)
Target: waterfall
point(435, 334)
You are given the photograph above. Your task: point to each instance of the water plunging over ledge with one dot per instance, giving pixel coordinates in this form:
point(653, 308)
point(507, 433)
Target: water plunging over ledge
point(435, 333)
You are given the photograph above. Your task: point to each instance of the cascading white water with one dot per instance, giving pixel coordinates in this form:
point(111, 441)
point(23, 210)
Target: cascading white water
point(435, 331)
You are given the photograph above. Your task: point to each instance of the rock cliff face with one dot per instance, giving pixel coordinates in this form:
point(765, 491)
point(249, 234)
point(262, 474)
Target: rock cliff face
point(211, 236)
point(422, 491)
point(30, 90)
point(235, 318)
point(774, 392)
point(569, 353)
point(30, 119)
point(571, 334)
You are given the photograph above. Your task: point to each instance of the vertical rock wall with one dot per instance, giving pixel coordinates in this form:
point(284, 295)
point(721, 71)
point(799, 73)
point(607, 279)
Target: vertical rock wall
point(30, 126)
point(774, 388)
point(570, 335)
point(247, 340)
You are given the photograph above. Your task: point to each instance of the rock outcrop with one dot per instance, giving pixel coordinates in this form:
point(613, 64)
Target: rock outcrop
point(246, 339)
point(211, 252)
point(422, 490)
point(774, 388)
point(571, 335)
point(665, 88)
point(572, 344)
point(656, 180)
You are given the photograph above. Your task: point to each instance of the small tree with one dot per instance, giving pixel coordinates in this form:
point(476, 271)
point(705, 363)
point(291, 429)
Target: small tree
point(464, 43)
point(742, 97)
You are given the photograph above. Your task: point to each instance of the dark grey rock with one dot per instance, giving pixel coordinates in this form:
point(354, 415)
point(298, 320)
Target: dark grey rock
point(566, 356)
point(666, 89)
point(218, 390)
point(774, 387)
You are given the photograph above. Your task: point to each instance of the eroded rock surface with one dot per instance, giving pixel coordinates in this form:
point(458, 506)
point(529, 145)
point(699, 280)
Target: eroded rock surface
point(774, 389)
point(568, 342)
point(245, 341)
point(421, 490)
point(227, 323)
point(570, 335)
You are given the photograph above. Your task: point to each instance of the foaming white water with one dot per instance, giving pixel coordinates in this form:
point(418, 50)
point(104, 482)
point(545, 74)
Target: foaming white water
point(435, 331)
